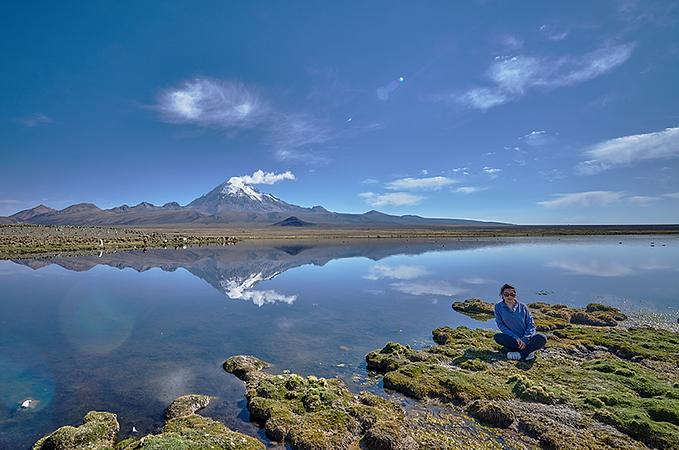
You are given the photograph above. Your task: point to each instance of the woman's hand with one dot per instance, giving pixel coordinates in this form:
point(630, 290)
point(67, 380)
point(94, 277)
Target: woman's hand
point(520, 343)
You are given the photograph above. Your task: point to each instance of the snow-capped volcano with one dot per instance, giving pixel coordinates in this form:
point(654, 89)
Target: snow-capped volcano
point(236, 195)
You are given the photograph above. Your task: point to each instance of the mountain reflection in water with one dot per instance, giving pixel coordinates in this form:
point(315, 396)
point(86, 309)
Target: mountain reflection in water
point(236, 270)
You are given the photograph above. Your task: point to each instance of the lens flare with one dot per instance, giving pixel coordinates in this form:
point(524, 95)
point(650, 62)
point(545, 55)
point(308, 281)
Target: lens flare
point(349, 119)
point(400, 80)
point(382, 93)
point(94, 322)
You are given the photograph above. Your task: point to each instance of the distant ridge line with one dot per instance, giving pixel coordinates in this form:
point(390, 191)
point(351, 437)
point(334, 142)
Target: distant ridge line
point(230, 203)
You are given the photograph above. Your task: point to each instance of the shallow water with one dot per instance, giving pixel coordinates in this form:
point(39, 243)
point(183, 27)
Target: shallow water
point(130, 332)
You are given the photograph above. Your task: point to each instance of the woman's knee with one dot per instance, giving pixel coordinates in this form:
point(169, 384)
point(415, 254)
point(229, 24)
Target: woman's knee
point(541, 338)
point(505, 340)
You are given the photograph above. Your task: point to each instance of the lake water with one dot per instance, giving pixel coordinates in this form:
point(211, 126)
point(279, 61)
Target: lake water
point(130, 332)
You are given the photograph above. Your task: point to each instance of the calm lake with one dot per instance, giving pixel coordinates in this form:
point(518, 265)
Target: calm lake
point(130, 332)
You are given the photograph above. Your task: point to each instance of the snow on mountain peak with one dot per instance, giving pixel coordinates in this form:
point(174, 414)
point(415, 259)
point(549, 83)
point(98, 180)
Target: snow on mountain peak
point(236, 186)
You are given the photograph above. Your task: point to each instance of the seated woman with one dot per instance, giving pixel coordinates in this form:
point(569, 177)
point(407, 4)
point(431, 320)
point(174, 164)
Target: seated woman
point(517, 327)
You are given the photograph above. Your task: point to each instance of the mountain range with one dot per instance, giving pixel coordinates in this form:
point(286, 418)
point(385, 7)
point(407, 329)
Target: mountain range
point(233, 202)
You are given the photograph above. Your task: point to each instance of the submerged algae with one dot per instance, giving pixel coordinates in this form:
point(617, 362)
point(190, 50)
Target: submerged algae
point(618, 385)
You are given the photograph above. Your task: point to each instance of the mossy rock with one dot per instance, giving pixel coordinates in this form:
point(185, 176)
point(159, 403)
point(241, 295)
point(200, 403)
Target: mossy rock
point(548, 317)
point(638, 424)
point(393, 356)
point(475, 308)
point(183, 430)
point(99, 431)
point(609, 376)
point(315, 413)
point(186, 405)
point(494, 413)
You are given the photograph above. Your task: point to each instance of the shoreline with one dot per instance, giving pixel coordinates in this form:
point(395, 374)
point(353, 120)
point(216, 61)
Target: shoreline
point(49, 241)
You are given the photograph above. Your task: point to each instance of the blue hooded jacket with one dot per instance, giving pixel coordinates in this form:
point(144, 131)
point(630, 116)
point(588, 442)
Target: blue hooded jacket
point(518, 324)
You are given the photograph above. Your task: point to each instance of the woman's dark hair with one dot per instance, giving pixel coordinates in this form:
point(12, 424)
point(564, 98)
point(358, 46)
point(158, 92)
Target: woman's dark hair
point(506, 286)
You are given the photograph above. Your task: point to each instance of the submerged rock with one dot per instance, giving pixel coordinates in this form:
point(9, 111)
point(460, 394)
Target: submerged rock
point(591, 387)
point(315, 413)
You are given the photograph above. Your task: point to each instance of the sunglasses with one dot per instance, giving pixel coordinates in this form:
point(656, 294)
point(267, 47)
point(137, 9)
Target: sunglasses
point(509, 294)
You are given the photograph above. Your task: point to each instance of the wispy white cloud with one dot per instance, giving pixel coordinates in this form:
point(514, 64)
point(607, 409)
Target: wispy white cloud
point(308, 157)
point(400, 272)
point(640, 200)
point(395, 199)
point(626, 150)
point(468, 190)
point(583, 199)
point(289, 132)
point(493, 172)
point(672, 195)
point(423, 184)
point(512, 42)
point(261, 177)
point(429, 288)
point(213, 103)
point(33, 120)
point(538, 138)
point(513, 77)
point(552, 33)
point(369, 181)
point(483, 98)
point(232, 106)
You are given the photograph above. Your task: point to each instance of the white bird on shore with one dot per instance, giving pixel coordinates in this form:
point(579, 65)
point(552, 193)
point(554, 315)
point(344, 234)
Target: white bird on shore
point(27, 403)
point(134, 430)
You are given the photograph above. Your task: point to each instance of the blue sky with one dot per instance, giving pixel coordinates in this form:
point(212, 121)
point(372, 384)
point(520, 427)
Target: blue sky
point(518, 111)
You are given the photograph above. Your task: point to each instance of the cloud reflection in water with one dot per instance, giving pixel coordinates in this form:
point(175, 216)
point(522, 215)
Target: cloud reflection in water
point(593, 267)
point(239, 289)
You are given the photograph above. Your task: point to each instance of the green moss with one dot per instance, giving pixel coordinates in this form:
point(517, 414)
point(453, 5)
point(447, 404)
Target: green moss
point(494, 413)
point(315, 413)
point(638, 424)
point(186, 405)
point(624, 378)
point(474, 365)
point(475, 308)
point(98, 432)
point(184, 430)
point(658, 345)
